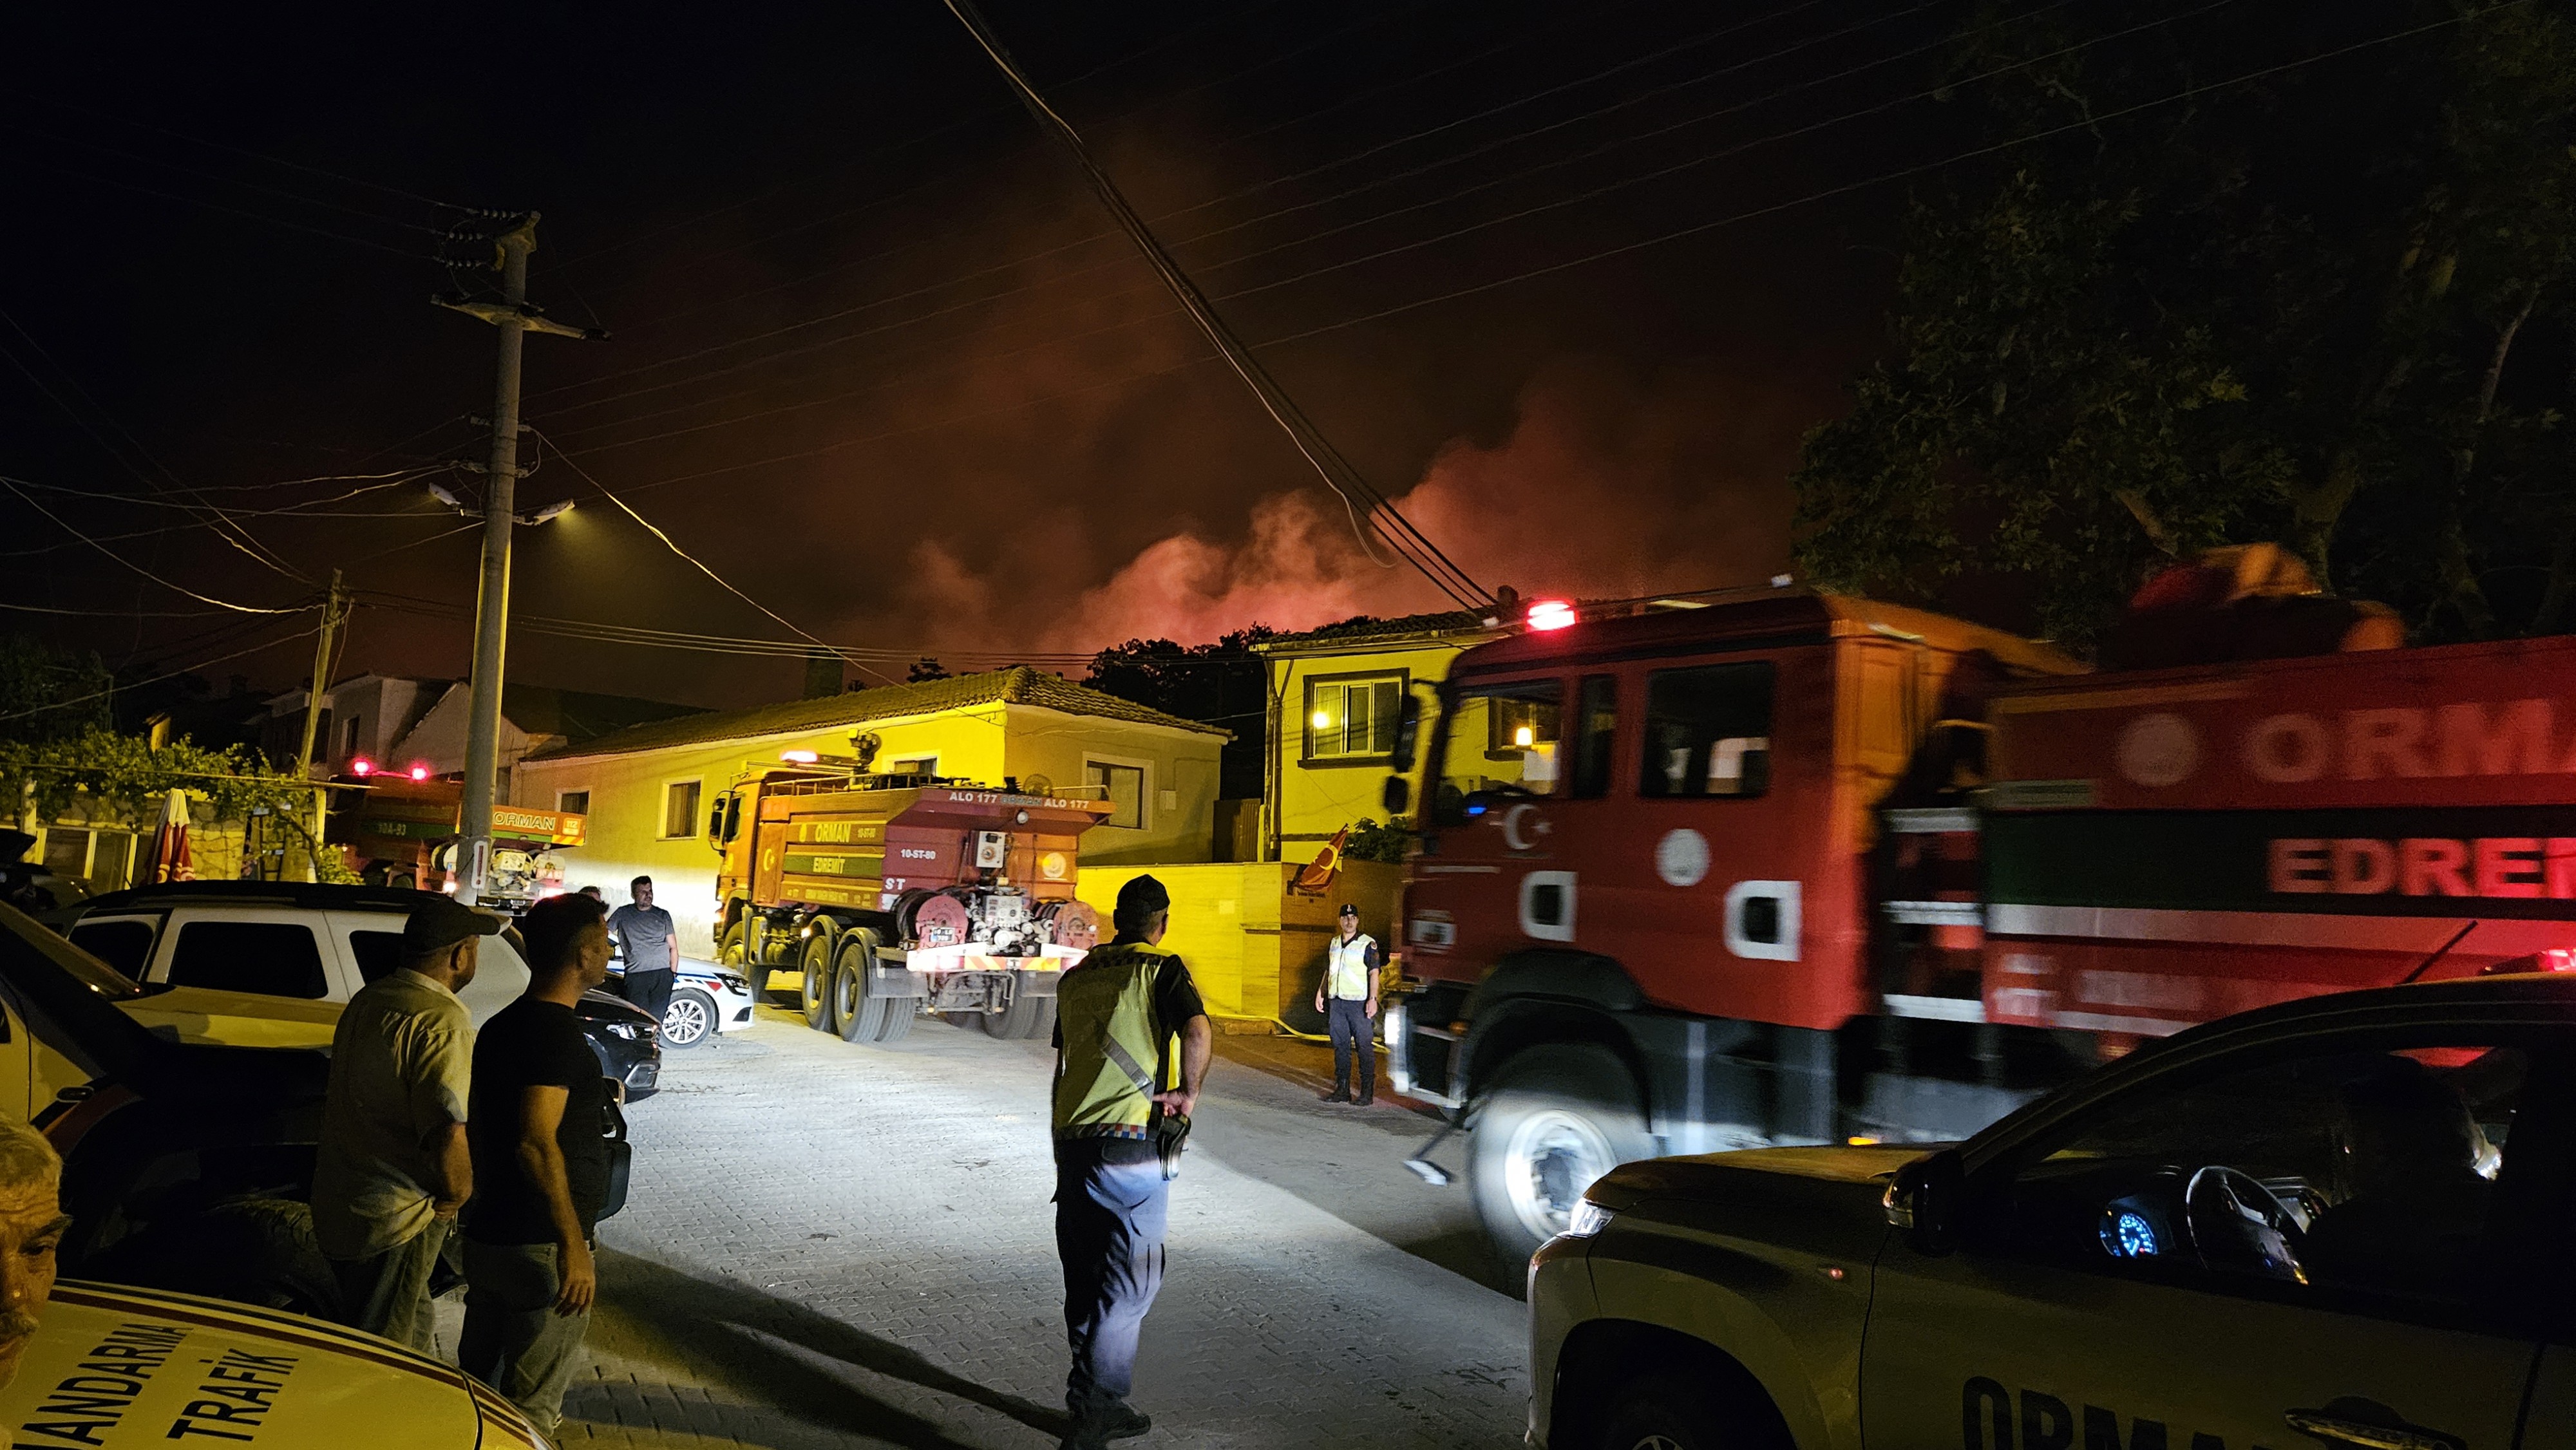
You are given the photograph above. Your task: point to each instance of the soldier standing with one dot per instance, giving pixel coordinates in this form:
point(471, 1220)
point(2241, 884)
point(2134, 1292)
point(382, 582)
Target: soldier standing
point(1348, 999)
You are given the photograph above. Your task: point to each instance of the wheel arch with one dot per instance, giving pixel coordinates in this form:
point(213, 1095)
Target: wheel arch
point(1601, 1354)
point(1545, 996)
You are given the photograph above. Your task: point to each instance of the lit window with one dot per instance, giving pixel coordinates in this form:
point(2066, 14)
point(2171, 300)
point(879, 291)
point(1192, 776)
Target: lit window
point(1126, 787)
point(679, 810)
point(1352, 719)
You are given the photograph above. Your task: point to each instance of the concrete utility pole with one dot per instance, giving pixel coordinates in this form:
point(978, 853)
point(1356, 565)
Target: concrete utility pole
point(515, 318)
point(332, 614)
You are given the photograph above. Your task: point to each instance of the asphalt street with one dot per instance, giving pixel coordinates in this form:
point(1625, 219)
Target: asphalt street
point(829, 1245)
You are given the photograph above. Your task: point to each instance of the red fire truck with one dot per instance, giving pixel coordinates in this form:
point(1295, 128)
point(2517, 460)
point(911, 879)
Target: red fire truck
point(1799, 868)
point(400, 830)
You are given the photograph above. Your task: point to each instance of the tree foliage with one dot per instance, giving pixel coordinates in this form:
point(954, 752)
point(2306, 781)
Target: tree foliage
point(2329, 306)
point(46, 694)
point(104, 776)
point(1222, 684)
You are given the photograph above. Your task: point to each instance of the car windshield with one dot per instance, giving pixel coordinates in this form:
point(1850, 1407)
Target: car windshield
point(98, 976)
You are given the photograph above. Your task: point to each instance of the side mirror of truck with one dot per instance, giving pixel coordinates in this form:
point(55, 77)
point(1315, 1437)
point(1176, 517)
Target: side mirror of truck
point(1924, 1199)
point(1408, 726)
point(1397, 797)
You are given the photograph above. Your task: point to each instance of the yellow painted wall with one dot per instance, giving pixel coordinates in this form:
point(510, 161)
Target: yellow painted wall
point(984, 744)
point(1255, 948)
point(1315, 799)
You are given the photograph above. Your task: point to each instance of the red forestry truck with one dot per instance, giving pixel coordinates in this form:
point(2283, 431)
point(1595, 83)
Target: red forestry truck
point(893, 895)
point(1802, 869)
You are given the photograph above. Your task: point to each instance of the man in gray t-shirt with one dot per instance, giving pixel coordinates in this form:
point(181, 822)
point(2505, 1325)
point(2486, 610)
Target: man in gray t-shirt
point(651, 947)
point(393, 1166)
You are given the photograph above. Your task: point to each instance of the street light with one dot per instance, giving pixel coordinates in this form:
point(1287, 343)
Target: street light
point(554, 510)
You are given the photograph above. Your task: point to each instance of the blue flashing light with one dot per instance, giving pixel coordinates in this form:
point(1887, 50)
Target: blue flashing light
point(1475, 810)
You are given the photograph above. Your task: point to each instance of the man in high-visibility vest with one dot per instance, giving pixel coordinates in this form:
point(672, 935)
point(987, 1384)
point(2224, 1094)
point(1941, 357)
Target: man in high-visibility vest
point(1348, 999)
point(1115, 1116)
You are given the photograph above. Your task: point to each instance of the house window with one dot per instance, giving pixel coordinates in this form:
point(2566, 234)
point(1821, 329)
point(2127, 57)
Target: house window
point(1708, 732)
point(573, 802)
point(679, 810)
point(1352, 719)
point(349, 738)
point(1126, 787)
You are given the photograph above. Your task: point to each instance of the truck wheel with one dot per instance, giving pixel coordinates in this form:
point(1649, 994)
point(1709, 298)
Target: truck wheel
point(1661, 1410)
point(865, 1017)
point(817, 962)
point(1025, 1018)
point(689, 1020)
point(1556, 1119)
point(733, 949)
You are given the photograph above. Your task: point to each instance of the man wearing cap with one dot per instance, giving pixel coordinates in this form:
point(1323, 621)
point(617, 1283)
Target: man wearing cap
point(1114, 1115)
point(1348, 999)
point(393, 1166)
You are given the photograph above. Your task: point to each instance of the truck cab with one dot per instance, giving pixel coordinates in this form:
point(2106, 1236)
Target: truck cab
point(1637, 921)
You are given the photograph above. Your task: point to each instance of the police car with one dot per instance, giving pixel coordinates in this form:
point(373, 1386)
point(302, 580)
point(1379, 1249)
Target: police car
point(2343, 1221)
point(111, 1366)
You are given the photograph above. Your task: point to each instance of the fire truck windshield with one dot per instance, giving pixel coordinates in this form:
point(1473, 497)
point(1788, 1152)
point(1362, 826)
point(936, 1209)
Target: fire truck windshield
point(1496, 740)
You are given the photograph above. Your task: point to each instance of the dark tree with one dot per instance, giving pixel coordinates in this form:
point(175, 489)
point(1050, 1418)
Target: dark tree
point(1222, 684)
point(2328, 306)
point(47, 694)
point(923, 670)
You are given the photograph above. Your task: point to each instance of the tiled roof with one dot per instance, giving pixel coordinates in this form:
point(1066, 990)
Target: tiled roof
point(1362, 627)
point(1019, 685)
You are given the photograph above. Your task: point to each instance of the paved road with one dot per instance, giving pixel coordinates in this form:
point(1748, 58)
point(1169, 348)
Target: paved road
point(836, 1246)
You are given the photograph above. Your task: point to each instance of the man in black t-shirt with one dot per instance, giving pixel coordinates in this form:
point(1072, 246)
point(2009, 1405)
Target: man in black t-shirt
point(535, 1127)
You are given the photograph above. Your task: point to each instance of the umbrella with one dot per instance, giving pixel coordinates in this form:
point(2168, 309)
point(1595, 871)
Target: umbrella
point(170, 843)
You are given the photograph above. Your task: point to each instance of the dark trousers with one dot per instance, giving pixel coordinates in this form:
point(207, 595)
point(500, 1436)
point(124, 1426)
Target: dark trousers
point(651, 990)
point(1109, 1232)
point(1349, 1023)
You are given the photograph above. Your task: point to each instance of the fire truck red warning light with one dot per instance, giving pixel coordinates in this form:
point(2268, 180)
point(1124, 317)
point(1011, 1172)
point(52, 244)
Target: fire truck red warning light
point(1546, 614)
point(419, 771)
point(362, 766)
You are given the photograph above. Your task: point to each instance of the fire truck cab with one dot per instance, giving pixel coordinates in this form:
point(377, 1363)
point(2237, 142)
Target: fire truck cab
point(1637, 920)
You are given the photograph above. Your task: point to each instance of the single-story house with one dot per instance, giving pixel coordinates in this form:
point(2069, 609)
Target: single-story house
point(646, 789)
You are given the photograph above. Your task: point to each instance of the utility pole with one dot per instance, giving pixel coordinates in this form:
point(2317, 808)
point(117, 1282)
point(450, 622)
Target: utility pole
point(515, 318)
point(331, 617)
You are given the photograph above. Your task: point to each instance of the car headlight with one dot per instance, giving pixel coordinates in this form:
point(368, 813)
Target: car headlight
point(733, 982)
point(1587, 1219)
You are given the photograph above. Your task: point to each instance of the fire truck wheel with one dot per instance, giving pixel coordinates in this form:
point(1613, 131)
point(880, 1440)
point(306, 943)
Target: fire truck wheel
point(865, 1017)
point(733, 949)
point(1557, 1118)
point(1027, 1017)
point(817, 962)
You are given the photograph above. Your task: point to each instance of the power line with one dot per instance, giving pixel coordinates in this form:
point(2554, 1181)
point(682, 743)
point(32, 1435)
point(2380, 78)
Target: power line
point(695, 562)
point(30, 499)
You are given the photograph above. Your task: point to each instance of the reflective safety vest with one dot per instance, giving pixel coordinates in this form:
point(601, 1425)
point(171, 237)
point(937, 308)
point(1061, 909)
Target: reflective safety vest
point(1104, 1084)
point(1346, 970)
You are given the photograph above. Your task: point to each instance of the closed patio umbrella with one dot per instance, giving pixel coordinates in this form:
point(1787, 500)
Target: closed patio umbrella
point(170, 843)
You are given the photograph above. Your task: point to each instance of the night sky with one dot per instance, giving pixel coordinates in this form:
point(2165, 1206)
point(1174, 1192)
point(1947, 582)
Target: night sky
point(878, 358)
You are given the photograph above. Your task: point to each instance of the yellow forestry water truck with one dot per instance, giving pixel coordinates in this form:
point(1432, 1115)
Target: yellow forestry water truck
point(895, 895)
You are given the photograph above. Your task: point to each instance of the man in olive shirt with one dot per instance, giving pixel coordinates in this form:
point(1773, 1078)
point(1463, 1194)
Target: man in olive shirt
point(540, 1169)
point(392, 1166)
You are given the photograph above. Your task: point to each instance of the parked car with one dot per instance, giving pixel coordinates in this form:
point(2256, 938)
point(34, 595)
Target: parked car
point(2343, 1217)
point(270, 964)
point(332, 1387)
point(706, 999)
point(187, 1165)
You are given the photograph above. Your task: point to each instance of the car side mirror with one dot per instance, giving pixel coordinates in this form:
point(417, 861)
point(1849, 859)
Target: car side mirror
point(1408, 725)
point(1924, 1200)
point(1397, 797)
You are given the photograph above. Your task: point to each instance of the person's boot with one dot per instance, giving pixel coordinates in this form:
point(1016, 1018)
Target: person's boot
point(1368, 1093)
point(1341, 1093)
point(1122, 1421)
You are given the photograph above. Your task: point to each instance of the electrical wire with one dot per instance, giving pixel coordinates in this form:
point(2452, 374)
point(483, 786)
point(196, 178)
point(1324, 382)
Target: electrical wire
point(694, 561)
point(130, 564)
point(1370, 511)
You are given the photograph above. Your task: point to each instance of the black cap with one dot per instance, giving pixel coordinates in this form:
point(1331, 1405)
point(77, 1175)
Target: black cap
point(1349, 910)
point(441, 922)
point(1139, 899)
